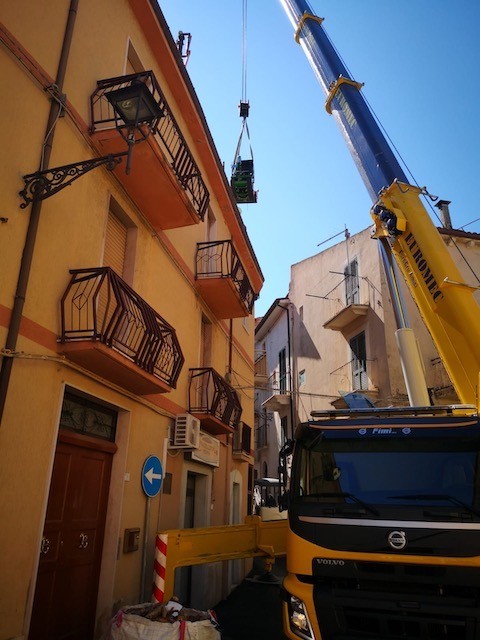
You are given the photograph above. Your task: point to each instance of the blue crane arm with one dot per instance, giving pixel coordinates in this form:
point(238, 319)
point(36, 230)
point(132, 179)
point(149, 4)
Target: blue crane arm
point(371, 152)
point(402, 224)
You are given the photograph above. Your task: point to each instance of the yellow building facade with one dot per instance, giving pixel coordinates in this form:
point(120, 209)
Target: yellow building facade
point(126, 319)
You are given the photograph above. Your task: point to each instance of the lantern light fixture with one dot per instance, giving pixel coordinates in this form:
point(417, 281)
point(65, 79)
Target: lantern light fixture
point(136, 110)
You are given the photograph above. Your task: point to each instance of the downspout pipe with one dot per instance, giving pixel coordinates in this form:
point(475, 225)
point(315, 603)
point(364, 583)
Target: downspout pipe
point(27, 256)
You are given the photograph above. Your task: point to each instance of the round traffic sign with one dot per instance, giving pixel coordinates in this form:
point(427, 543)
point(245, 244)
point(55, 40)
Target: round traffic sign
point(152, 476)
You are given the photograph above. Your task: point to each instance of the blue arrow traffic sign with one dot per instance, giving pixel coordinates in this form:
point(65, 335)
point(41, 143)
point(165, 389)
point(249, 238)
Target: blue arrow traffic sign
point(152, 476)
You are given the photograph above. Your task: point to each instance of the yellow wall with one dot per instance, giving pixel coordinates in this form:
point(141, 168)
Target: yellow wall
point(71, 235)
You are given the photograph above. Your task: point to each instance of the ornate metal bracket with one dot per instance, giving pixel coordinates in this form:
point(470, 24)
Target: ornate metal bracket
point(43, 184)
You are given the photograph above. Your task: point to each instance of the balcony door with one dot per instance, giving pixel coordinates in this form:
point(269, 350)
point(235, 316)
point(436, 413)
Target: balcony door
point(282, 370)
point(213, 264)
point(114, 257)
point(115, 244)
point(206, 343)
point(359, 362)
point(352, 283)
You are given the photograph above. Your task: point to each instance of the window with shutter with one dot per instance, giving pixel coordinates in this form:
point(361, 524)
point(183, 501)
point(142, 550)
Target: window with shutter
point(133, 63)
point(115, 244)
point(352, 286)
point(282, 370)
point(359, 362)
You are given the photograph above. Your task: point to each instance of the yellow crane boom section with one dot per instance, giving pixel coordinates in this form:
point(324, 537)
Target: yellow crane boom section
point(444, 299)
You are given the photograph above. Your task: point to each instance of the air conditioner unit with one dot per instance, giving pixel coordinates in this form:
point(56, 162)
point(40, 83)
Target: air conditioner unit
point(185, 433)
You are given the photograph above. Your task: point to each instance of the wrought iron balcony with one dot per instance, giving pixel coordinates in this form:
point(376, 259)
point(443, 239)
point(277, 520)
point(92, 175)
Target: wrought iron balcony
point(109, 329)
point(222, 281)
point(213, 401)
point(164, 180)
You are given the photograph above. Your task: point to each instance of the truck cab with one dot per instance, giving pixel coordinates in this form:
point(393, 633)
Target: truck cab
point(384, 519)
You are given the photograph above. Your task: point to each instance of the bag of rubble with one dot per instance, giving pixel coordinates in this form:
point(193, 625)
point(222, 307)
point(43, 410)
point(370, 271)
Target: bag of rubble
point(170, 621)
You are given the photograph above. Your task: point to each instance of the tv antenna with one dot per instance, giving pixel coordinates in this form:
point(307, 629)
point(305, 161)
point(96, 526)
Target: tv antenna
point(346, 232)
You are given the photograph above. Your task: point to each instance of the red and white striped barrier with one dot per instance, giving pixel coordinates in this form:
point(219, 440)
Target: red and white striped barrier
point(159, 564)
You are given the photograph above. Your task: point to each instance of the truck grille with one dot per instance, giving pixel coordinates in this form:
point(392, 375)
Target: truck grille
point(380, 601)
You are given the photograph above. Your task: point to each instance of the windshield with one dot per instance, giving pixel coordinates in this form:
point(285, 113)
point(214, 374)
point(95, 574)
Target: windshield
point(433, 471)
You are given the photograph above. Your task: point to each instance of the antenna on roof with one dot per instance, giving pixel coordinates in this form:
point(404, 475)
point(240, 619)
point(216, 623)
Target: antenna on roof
point(346, 232)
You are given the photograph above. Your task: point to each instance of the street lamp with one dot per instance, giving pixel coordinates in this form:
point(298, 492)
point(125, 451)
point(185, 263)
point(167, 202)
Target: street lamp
point(136, 110)
point(134, 105)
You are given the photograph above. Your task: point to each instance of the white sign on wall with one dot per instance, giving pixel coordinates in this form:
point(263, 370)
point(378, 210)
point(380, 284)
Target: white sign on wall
point(208, 450)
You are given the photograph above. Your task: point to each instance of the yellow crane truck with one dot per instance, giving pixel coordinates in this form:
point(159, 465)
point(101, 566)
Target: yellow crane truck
point(383, 537)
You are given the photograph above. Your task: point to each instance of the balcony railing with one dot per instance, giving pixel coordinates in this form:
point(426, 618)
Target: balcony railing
point(343, 310)
point(99, 306)
point(279, 398)
point(260, 368)
point(214, 401)
point(217, 263)
point(260, 363)
point(167, 134)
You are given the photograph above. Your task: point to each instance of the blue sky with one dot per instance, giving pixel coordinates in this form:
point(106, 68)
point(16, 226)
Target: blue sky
point(419, 60)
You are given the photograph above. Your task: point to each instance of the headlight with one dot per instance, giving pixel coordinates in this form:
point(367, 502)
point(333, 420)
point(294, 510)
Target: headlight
point(299, 622)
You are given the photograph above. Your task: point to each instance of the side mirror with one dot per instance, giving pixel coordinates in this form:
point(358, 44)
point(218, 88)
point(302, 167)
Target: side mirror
point(287, 449)
point(283, 501)
point(283, 454)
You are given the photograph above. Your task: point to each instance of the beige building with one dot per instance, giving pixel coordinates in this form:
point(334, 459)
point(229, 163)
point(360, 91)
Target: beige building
point(126, 327)
point(340, 338)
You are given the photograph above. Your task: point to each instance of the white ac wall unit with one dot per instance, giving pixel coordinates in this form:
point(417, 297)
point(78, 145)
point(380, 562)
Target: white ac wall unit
point(186, 432)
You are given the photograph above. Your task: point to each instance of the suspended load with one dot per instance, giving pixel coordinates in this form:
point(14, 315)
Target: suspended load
point(242, 180)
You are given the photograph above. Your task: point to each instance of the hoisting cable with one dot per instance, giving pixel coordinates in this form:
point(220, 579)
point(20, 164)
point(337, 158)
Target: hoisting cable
point(242, 170)
point(239, 144)
point(244, 51)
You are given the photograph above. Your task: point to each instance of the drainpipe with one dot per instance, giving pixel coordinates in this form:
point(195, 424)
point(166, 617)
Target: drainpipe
point(230, 353)
point(27, 257)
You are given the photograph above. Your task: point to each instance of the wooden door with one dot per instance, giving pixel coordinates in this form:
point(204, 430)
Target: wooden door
point(67, 580)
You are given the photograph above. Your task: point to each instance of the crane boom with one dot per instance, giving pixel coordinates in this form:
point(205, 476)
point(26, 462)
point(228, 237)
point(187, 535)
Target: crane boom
point(402, 224)
point(372, 154)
